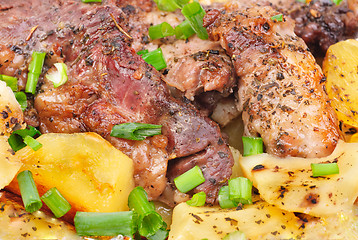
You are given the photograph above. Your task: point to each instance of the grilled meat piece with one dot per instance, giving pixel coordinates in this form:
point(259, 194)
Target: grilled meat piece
point(280, 85)
point(110, 84)
point(321, 23)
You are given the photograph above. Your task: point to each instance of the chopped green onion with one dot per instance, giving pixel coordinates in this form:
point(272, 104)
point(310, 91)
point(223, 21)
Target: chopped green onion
point(323, 169)
point(149, 220)
point(238, 235)
point(141, 52)
point(11, 82)
point(181, 3)
point(35, 69)
point(105, 223)
point(155, 58)
point(58, 77)
point(22, 99)
point(194, 13)
point(167, 5)
point(56, 202)
point(302, 1)
point(197, 200)
point(337, 2)
point(161, 30)
point(184, 30)
point(277, 18)
point(161, 234)
point(29, 194)
point(91, 1)
point(252, 145)
point(135, 131)
point(240, 190)
point(32, 143)
point(16, 139)
point(224, 198)
point(189, 180)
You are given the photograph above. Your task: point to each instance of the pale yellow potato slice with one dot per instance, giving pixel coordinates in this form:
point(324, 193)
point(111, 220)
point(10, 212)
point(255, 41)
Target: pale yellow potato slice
point(287, 182)
point(258, 221)
point(9, 164)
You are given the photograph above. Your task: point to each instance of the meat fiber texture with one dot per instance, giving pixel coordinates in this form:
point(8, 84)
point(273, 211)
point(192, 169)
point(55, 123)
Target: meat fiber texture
point(110, 84)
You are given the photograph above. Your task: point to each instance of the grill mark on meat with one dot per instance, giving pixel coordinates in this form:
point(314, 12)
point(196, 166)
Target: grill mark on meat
point(300, 124)
point(117, 87)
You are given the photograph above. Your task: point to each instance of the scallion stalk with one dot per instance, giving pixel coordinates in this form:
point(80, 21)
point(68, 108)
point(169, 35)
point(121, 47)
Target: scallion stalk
point(197, 200)
point(32, 143)
point(35, 69)
point(194, 13)
point(240, 190)
point(224, 198)
point(181, 3)
point(337, 2)
point(21, 99)
point(161, 30)
point(155, 58)
point(56, 202)
point(141, 52)
point(277, 18)
point(324, 169)
point(189, 180)
point(29, 194)
point(252, 145)
point(161, 234)
point(91, 1)
point(58, 77)
point(149, 221)
point(105, 224)
point(16, 139)
point(135, 131)
point(11, 82)
point(167, 5)
point(237, 235)
point(184, 30)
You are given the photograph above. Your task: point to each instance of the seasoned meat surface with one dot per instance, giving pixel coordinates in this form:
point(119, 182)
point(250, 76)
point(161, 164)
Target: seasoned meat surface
point(321, 23)
point(280, 85)
point(110, 84)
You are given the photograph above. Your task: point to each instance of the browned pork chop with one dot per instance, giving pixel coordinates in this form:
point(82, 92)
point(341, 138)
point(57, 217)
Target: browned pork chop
point(110, 84)
point(281, 89)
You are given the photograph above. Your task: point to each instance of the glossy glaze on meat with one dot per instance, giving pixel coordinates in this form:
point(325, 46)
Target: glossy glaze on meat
point(280, 85)
point(110, 84)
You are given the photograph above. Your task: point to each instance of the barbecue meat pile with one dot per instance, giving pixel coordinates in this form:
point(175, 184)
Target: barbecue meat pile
point(110, 84)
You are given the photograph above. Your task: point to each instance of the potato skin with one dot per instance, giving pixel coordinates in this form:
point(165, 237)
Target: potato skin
point(89, 172)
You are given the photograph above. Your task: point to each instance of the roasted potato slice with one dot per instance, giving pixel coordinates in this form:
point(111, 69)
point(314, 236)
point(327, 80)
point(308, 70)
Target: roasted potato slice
point(288, 183)
point(340, 68)
point(9, 164)
point(90, 173)
point(258, 221)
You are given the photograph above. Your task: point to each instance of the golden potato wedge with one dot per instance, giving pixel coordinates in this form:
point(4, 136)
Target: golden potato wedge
point(288, 183)
point(90, 173)
point(340, 68)
point(9, 164)
point(11, 116)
